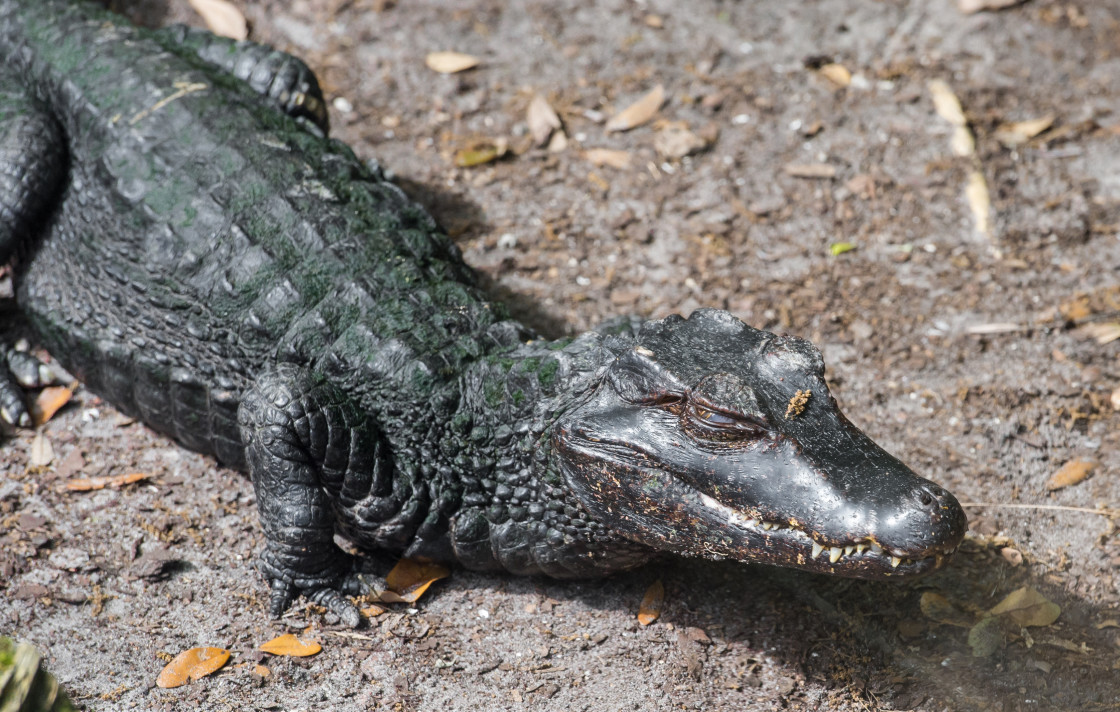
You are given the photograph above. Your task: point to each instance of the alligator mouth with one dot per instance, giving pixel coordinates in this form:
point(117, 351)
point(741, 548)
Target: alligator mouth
point(858, 555)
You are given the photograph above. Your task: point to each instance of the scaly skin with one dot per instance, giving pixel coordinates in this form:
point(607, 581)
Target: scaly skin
point(210, 265)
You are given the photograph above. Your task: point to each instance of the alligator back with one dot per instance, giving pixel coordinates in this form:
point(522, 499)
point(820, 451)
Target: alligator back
point(201, 235)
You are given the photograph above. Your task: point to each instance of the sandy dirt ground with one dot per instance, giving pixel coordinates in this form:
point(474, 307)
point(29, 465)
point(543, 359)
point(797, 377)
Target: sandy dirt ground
point(961, 333)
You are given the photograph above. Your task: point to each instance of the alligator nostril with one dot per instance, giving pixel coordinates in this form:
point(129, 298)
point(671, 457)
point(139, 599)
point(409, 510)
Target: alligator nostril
point(929, 496)
point(927, 499)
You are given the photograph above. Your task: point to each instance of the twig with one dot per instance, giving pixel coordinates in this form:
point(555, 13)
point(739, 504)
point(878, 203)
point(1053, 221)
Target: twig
point(1055, 507)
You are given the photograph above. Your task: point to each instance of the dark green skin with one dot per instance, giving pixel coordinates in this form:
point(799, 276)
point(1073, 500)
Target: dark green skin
point(220, 270)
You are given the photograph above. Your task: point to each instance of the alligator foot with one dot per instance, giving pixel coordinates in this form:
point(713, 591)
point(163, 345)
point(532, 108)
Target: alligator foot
point(305, 443)
point(20, 370)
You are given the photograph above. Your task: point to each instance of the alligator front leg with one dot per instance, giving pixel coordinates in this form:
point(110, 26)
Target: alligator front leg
point(302, 438)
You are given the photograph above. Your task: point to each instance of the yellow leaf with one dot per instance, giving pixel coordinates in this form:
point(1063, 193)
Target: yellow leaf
point(1027, 607)
point(450, 62)
point(481, 152)
point(191, 665)
point(652, 602)
point(48, 402)
point(1070, 473)
point(839, 248)
point(639, 112)
point(86, 484)
point(291, 646)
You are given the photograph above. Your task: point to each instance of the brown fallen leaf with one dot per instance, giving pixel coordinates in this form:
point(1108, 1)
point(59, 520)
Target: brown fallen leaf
point(676, 142)
point(450, 62)
point(1104, 332)
point(291, 646)
point(1017, 133)
point(48, 402)
point(261, 671)
point(372, 610)
point(968, 7)
point(639, 112)
point(42, 452)
point(1070, 473)
point(409, 579)
point(608, 157)
point(652, 603)
point(1027, 607)
point(838, 74)
point(191, 665)
point(222, 18)
point(542, 120)
point(936, 607)
point(87, 484)
point(810, 170)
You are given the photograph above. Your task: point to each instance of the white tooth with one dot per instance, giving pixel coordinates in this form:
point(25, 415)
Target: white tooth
point(835, 553)
point(861, 548)
point(876, 549)
point(751, 523)
point(895, 561)
point(848, 550)
point(766, 526)
point(709, 501)
point(817, 549)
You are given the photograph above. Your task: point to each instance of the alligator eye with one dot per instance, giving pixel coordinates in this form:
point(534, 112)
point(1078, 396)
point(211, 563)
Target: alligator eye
point(715, 425)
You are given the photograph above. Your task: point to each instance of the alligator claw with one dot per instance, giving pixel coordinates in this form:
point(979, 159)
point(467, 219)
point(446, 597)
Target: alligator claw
point(331, 593)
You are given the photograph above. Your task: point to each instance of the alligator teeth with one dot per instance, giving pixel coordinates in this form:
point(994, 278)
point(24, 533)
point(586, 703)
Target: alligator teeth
point(817, 549)
point(875, 548)
point(938, 560)
point(834, 554)
point(767, 526)
point(861, 548)
point(751, 523)
point(895, 561)
point(849, 550)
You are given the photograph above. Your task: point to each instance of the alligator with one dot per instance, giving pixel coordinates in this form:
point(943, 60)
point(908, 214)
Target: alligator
point(186, 240)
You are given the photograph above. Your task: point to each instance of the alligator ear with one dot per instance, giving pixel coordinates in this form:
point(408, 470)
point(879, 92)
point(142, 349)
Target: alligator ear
point(638, 378)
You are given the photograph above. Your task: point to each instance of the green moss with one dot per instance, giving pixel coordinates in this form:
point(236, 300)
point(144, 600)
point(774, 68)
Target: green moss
point(547, 375)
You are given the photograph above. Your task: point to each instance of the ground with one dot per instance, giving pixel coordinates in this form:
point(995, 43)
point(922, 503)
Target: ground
point(966, 349)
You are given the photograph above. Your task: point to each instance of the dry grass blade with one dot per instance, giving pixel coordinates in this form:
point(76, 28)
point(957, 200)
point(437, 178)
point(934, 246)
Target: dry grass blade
point(87, 484)
point(980, 202)
point(810, 170)
point(652, 603)
point(191, 665)
point(639, 112)
point(222, 18)
point(450, 62)
point(291, 646)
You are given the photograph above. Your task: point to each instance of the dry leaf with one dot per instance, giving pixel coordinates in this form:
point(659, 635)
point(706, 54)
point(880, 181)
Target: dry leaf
point(810, 170)
point(1027, 607)
point(542, 120)
point(86, 484)
point(372, 611)
point(1012, 556)
point(222, 18)
point(42, 452)
point(261, 671)
point(962, 142)
point(1018, 132)
point(986, 637)
point(937, 607)
point(969, 7)
point(48, 402)
point(1114, 399)
point(676, 142)
point(946, 103)
point(608, 157)
point(839, 248)
point(192, 664)
point(838, 74)
point(1105, 332)
point(1069, 474)
point(291, 646)
point(979, 201)
point(450, 62)
point(558, 142)
point(409, 580)
point(481, 152)
point(639, 112)
point(652, 602)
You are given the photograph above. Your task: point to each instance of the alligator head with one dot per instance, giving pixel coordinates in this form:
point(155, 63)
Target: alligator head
point(710, 438)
